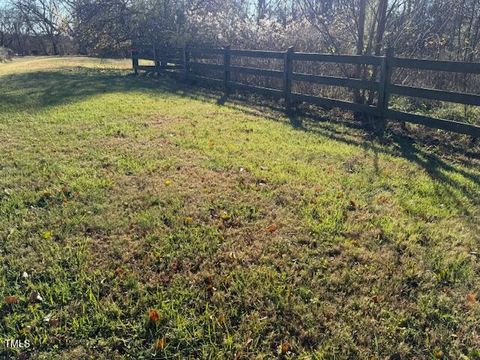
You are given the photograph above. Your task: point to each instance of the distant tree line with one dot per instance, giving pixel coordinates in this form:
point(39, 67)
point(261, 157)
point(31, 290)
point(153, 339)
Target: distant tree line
point(439, 29)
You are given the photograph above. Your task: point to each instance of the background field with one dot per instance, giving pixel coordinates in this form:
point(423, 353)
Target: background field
point(142, 220)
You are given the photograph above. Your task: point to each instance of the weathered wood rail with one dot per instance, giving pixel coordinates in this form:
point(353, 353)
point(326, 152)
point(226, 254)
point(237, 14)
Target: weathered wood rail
point(181, 61)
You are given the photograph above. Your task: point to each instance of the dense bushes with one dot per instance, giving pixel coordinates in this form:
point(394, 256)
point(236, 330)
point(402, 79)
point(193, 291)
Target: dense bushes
point(440, 29)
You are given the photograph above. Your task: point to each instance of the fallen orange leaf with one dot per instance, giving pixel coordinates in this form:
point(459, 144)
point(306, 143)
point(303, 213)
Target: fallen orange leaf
point(119, 271)
point(285, 347)
point(272, 228)
point(472, 298)
point(11, 299)
point(160, 343)
point(153, 315)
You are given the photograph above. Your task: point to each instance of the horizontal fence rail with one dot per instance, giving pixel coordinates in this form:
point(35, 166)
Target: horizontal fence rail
point(208, 51)
point(337, 81)
point(257, 54)
point(191, 63)
point(460, 98)
point(338, 59)
point(256, 71)
point(447, 66)
point(257, 89)
point(196, 65)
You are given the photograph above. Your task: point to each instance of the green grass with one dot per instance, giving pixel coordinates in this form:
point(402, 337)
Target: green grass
point(250, 237)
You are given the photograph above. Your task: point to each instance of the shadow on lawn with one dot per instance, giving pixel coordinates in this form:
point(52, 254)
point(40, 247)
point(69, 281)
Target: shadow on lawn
point(438, 162)
point(439, 166)
point(45, 89)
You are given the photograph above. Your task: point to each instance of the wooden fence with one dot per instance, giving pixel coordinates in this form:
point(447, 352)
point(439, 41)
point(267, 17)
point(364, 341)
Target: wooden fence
point(181, 61)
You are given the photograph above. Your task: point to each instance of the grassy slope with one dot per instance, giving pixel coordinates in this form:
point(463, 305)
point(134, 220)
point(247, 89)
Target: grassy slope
point(120, 194)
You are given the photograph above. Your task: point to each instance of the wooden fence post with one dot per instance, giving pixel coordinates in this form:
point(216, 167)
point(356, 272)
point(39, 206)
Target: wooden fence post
point(135, 61)
point(185, 63)
point(226, 65)
point(287, 78)
point(156, 59)
point(384, 85)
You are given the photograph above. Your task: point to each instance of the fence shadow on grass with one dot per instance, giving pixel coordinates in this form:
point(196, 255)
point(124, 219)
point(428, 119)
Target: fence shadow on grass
point(43, 89)
point(40, 90)
point(438, 162)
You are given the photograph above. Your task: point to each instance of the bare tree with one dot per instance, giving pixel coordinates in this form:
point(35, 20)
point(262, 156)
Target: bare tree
point(50, 18)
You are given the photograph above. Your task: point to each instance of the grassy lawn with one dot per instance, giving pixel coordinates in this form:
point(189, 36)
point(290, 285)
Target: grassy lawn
point(139, 221)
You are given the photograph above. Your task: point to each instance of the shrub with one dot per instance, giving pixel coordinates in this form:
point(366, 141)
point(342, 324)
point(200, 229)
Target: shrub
point(5, 54)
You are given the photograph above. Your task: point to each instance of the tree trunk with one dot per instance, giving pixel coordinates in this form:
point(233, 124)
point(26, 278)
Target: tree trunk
point(357, 96)
point(381, 25)
point(21, 48)
point(54, 41)
point(261, 10)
